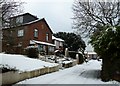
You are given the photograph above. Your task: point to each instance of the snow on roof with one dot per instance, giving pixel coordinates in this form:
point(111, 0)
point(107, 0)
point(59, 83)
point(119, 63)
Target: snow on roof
point(25, 23)
point(59, 39)
point(38, 21)
point(39, 42)
point(23, 63)
point(32, 21)
point(90, 52)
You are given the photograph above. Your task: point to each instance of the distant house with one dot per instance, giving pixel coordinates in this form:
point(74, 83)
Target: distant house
point(27, 30)
point(58, 43)
point(91, 55)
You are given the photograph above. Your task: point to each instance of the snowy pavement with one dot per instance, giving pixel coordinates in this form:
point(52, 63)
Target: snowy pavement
point(87, 73)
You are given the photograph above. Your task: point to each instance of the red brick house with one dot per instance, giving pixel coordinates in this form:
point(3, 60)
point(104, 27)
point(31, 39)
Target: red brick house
point(27, 30)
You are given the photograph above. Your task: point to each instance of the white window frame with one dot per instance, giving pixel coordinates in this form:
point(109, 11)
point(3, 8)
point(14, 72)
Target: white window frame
point(20, 33)
point(36, 32)
point(47, 36)
point(19, 20)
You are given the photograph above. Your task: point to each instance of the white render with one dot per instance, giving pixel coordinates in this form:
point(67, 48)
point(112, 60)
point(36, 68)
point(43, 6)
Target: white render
point(58, 42)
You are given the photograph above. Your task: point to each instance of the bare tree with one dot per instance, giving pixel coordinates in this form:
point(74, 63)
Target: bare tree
point(8, 9)
point(89, 16)
point(96, 17)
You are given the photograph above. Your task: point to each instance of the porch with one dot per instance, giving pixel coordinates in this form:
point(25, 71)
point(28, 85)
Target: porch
point(43, 47)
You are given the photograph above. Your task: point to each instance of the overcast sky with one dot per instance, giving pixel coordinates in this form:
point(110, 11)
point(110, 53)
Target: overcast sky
point(58, 14)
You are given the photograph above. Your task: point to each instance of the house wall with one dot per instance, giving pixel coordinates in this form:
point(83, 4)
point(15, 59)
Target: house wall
point(58, 44)
point(91, 56)
point(11, 40)
point(42, 29)
point(25, 39)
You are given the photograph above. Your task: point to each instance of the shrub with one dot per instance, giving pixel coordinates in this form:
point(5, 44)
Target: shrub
point(107, 45)
point(32, 52)
point(6, 68)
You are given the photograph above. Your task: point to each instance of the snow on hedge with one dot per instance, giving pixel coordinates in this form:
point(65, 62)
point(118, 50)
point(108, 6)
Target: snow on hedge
point(23, 63)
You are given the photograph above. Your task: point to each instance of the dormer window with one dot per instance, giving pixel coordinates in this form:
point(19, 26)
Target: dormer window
point(19, 20)
point(35, 32)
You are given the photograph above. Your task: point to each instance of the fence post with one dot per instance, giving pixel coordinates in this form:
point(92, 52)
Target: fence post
point(77, 57)
point(66, 52)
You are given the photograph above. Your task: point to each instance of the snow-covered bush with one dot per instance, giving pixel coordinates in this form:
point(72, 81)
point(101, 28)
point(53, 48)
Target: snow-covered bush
point(106, 44)
point(32, 52)
point(6, 68)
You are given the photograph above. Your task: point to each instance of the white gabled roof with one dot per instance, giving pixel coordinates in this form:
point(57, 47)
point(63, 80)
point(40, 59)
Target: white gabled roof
point(90, 52)
point(39, 42)
point(58, 39)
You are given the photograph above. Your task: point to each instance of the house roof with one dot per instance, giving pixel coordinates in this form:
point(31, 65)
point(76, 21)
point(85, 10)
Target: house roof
point(38, 20)
point(23, 15)
point(32, 22)
point(39, 42)
point(58, 39)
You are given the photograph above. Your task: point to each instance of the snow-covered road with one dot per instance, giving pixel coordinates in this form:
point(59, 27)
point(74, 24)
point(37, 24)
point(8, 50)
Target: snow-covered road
point(87, 73)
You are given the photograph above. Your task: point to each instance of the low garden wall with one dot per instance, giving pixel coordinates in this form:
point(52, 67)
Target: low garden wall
point(14, 77)
point(70, 64)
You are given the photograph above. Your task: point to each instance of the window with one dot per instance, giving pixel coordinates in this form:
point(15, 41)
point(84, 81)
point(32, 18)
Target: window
point(19, 20)
point(35, 33)
point(41, 48)
point(47, 36)
point(57, 44)
point(20, 33)
point(51, 49)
